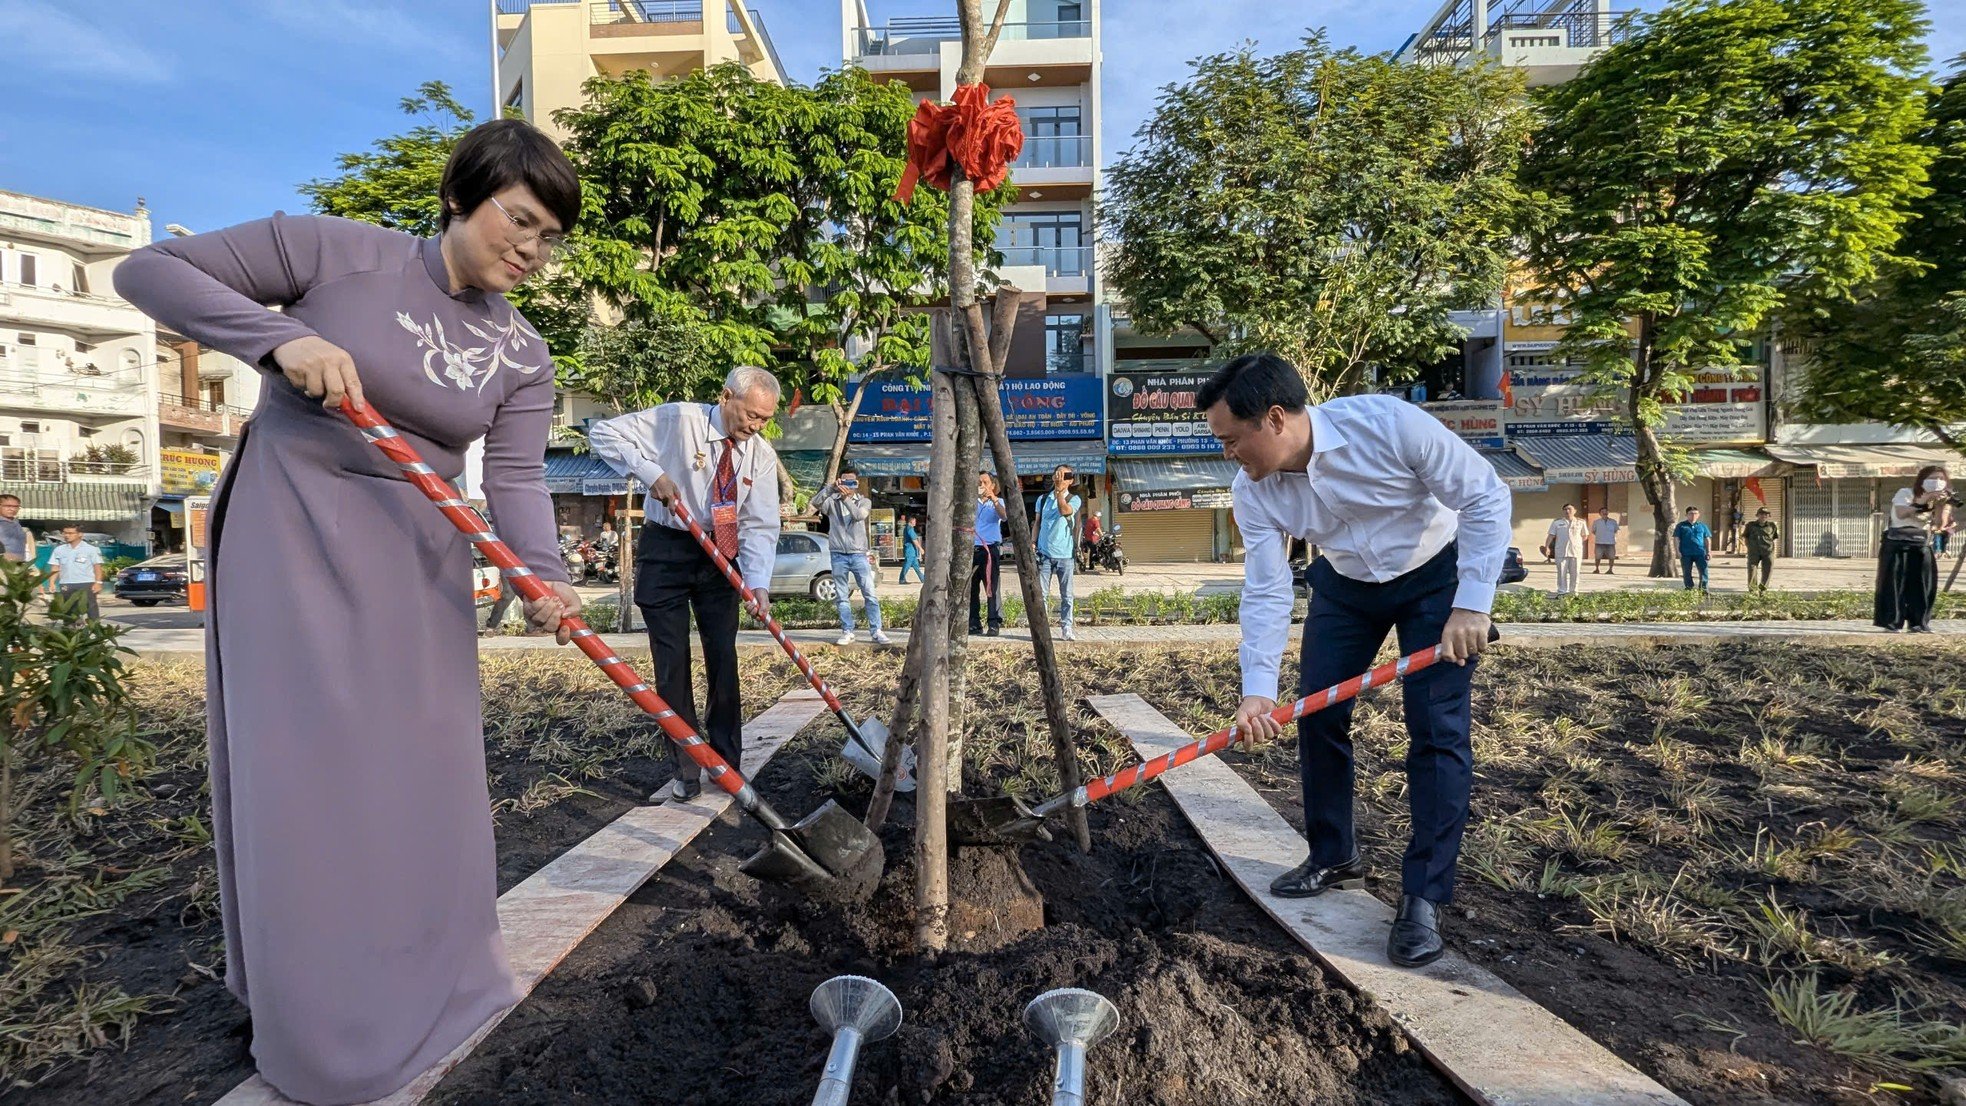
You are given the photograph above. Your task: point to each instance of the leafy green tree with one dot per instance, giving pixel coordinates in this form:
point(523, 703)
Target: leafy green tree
point(1326, 204)
point(1729, 156)
point(1897, 353)
point(769, 210)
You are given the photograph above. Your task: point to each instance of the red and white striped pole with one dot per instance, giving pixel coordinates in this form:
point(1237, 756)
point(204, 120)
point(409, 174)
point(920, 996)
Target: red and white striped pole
point(751, 604)
point(1095, 790)
point(516, 575)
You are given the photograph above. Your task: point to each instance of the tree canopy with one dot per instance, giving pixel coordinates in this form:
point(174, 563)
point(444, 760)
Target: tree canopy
point(1326, 204)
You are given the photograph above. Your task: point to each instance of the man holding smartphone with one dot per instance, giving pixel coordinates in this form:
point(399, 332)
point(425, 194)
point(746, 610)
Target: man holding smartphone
point(845, 510)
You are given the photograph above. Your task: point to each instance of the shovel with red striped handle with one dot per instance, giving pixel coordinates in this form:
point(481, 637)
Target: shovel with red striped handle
point(870, 735)
point(1008, 821)
point(827, 846)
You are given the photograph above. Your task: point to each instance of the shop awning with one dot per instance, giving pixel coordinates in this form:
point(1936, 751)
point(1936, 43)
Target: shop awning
point(567, 472)
point(1737, 464)
point(78, 502)
point(1165, 483)
point(1583, 458)
point(1891, 459)
point(1515, 471)
point(1033, 458)
point(1175, 474)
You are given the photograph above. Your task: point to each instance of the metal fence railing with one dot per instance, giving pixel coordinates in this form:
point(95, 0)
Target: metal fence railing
point(1055, 152)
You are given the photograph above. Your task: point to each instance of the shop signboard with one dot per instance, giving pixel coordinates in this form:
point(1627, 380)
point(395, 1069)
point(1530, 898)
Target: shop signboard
point(1154, 415)
point(1481, 423)
point(1050, 408)
point(1176, 499)
point(187, 472)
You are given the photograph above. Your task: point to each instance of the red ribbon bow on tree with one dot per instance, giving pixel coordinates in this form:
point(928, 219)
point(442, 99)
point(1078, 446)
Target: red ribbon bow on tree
point(981, 135)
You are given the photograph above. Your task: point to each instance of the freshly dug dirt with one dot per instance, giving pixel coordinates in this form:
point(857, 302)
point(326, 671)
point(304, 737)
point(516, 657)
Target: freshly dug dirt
point(695, 992)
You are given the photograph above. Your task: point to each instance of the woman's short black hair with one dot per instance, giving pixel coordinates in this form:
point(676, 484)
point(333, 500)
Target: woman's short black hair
point(497, 155)
point(1254, 383)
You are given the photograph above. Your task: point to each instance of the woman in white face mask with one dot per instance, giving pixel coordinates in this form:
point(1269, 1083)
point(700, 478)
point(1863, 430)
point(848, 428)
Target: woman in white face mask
point(1907, 573)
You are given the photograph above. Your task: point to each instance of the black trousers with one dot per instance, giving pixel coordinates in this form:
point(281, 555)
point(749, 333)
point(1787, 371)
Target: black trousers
point(1907, 584)
point(1348, 621)
point(1766, 562)
point(987, 563)
point(674, 577)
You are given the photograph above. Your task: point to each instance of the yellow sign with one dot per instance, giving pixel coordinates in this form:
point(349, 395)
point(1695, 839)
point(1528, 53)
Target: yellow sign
point(184, 472)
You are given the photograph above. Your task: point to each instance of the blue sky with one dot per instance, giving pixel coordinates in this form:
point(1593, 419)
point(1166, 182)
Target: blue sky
point(215, 110)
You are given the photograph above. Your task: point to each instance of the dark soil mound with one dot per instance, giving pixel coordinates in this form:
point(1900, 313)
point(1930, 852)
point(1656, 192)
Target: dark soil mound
point(696, 991)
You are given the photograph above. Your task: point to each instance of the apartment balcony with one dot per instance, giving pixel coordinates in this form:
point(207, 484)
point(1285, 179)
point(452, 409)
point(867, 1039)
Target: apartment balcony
point(95, 318)
point(27, 466)
point(29, 382)
point(200, 416)
point(1036, 54)
point(667, 38)
point(1054, 167)
point(1066, 268)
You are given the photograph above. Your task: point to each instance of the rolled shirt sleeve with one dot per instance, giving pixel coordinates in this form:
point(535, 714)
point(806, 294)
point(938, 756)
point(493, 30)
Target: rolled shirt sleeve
point(627, 442)
point(1459, 477)
point(1266, 594)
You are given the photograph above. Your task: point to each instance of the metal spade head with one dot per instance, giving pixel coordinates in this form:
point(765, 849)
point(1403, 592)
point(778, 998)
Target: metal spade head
point(1006, 820)
point(863, 750)
point(1071, 1015)
point(828, 849)
point(858, 1003)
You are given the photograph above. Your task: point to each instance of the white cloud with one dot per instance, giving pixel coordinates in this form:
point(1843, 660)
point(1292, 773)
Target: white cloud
point(41, 37)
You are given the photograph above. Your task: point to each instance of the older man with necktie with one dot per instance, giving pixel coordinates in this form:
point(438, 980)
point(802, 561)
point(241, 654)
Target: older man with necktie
point(710, 457)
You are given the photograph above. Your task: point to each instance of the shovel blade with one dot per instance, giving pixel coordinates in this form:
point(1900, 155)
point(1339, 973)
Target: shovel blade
point(867, 758)
point(1002, 821)
point(828, 849)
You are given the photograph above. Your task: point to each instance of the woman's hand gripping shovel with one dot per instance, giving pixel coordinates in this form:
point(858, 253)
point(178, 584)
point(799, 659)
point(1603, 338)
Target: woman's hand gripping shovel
point(826, 850)
point(866, 741)
point(1009, 821)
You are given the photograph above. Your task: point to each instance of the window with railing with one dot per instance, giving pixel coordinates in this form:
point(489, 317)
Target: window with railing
point(1054, 240)
point(1053, 138)
point(893, 36)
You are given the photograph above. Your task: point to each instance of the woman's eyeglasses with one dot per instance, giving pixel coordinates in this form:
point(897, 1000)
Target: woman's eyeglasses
point(547, 240)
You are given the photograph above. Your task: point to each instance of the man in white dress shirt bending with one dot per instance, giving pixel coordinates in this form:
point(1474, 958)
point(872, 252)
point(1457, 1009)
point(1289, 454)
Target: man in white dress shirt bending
point(709, 456)
point(1413, 525)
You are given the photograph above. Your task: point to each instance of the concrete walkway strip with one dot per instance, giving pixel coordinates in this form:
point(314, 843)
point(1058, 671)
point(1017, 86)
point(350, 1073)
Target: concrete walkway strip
point(1486, 1036)
point(547, 916)
point(150, 642)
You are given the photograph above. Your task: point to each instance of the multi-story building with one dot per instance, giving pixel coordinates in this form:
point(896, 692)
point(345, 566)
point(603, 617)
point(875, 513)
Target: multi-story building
point(1047, 60)
point(547, 49)
point(78, 403)
point(204, 398)
point(544, 51)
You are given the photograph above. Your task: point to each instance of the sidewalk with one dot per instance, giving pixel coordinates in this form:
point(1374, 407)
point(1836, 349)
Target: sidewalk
point(179, 642)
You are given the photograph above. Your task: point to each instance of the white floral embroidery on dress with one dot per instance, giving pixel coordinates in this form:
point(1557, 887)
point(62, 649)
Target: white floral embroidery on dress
point(473, 368)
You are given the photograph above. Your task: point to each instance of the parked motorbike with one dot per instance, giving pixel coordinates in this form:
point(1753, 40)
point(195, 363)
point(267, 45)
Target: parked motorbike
point(1104, 555)
point(575, 562)
point(597, 566)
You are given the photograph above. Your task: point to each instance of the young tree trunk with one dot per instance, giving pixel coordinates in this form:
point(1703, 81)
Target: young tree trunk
point(624, 555)
point(932, 733)
point(1653, 476)
point(962, 568)
point(843, 416)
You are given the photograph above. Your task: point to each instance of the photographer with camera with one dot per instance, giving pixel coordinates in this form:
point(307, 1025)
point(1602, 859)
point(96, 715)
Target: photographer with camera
point(1907, 573)
point(846, 513)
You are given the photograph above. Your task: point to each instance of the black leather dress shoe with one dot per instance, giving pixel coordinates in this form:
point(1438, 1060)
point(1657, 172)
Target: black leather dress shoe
point(1415, 937)
point(1308, 879)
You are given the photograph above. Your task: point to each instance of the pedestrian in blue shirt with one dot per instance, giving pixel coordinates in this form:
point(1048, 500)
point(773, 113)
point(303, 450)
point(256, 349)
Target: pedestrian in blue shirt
point(1058, 512)
point(911, 549)
point(1692, 537)
point(77, 566)
point(987, 552)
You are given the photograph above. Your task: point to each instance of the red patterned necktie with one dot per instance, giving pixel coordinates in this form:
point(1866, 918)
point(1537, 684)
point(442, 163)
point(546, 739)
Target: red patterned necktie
point(723, 510)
